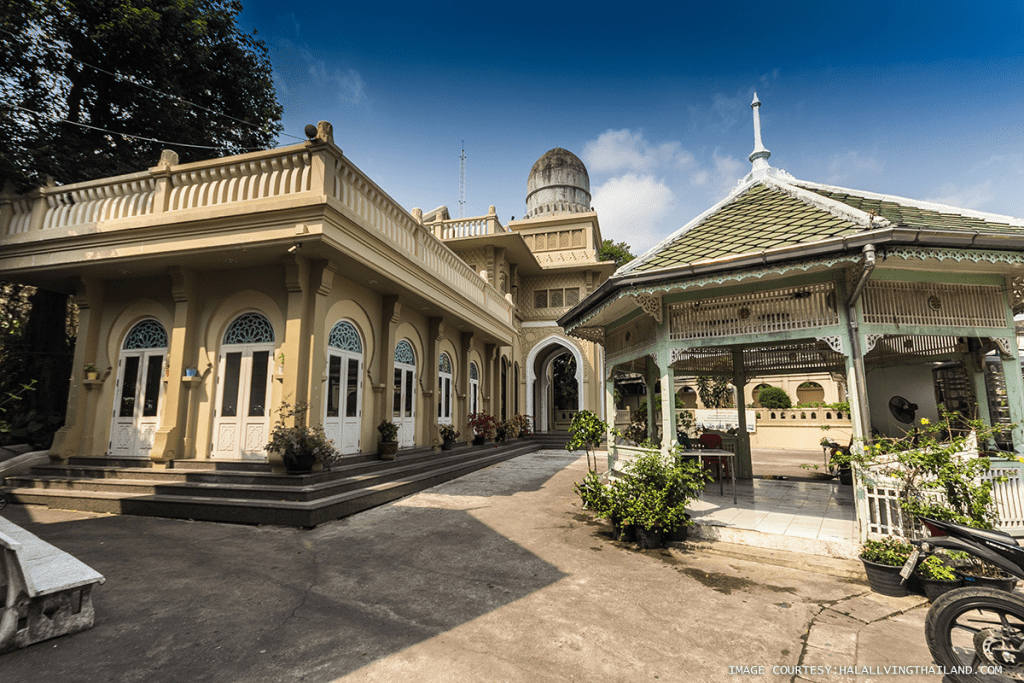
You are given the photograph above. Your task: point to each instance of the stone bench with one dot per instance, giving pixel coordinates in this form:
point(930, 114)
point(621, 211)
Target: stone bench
point(44, 591)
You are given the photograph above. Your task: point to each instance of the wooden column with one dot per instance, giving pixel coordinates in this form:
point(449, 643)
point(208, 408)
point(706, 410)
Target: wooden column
point(609, 405)
point(668, 401)
point(1015, 396)
point(744, 463)
point(651, 379)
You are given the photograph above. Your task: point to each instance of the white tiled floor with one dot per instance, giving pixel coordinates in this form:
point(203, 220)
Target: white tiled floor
point(815, 510)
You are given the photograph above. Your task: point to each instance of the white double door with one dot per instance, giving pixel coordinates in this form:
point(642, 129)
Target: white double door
point(241, 427)
point(343, 407)
point(140, 390)
point(403, 412)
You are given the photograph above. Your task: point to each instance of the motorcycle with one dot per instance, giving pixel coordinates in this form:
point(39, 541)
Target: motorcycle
point(975, 633)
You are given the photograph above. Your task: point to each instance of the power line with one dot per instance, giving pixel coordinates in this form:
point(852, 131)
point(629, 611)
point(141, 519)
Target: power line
point(153, 90)
point(124, 135)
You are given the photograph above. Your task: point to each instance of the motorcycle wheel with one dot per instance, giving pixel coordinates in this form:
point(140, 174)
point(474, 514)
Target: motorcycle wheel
point(970, 628)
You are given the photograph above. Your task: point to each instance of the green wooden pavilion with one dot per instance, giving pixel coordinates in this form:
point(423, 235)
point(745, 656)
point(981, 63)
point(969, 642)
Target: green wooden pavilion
point(786, 276)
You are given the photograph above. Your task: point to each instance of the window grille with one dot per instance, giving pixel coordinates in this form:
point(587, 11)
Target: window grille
point(148, 334)
point(250, 328)
point(344, 336)
point(404, 353)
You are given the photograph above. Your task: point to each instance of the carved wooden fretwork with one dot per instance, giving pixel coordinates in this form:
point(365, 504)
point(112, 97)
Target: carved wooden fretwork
point(869, 342)
point(789, 357)
point(651, 304)
point(765, 312)
point(1005, 346)
point(941, 305)
point(633, 337)
point(834, 341)
point(1017, 294)
point(591, 334)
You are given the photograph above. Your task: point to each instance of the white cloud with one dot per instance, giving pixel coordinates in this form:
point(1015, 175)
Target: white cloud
point(972, 197)
point(348, 84)
point(632, 207)
point(843, 167)
point(618, 150)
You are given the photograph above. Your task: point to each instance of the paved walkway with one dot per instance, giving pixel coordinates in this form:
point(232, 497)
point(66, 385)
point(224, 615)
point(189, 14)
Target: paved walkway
point(497, 576)
point(820, 517)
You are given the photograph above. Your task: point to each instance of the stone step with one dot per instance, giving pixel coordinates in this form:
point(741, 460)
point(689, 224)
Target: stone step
point(238, 504)
point(266, 486)
point(216, 471)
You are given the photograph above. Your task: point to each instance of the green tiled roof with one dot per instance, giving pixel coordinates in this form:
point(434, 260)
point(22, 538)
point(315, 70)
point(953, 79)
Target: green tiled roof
point(760, 218)
point(912, 216)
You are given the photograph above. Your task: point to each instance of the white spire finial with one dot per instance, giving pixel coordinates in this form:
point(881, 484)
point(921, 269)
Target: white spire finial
point(759, 157)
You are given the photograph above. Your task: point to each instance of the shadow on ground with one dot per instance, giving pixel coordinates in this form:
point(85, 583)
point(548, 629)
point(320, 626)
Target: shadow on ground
point(192, 601)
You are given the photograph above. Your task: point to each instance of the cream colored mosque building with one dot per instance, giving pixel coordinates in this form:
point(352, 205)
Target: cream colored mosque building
point(211, 292)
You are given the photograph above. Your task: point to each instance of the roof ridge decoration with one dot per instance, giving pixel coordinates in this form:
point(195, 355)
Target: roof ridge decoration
point(916, 203)
point(791, 187)
point(759, 157)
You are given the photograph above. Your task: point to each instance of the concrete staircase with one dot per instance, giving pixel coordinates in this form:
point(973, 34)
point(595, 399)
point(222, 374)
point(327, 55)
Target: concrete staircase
point(552, 440)
point(250, 493)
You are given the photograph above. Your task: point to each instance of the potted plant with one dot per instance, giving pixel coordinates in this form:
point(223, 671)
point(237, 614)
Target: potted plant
point(300, 446)
point(936, 577)
point(976, 572)
point(90, 371)
point(484, 427)
point(652, 496)
point(388, 446)
point(883, 558)
point(586, 431)
point(448, 434)
point(524, 423)
point(595, 495)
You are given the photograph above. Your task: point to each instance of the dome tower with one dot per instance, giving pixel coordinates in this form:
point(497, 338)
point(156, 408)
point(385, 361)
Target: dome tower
point(558, 184)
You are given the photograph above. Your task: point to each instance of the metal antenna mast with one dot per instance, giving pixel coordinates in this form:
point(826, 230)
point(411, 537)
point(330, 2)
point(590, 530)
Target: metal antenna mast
point(462, 182)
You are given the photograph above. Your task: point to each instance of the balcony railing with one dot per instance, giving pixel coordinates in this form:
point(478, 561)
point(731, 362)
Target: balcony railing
point(243, 185)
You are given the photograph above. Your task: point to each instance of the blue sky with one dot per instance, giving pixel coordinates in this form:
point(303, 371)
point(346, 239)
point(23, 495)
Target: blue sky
point(918, 99)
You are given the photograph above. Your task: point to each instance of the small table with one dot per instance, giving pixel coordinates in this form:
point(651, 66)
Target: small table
point(701, 453)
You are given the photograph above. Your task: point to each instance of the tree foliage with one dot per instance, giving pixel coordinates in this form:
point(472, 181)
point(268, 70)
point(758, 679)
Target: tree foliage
point(615, 251)
point(177, 71)
point(714, 392)
point(774, 398)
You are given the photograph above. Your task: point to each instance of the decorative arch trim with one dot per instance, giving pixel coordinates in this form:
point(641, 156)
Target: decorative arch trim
point(544, 346)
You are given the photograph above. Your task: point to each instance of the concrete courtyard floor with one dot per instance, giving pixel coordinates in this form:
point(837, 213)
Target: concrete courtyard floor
point(497, 576)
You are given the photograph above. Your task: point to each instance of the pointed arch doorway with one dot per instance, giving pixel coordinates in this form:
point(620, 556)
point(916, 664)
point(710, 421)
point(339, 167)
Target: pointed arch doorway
point(554, 383)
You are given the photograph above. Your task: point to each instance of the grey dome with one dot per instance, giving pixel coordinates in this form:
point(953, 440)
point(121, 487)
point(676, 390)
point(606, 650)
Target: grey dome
point(558, 184)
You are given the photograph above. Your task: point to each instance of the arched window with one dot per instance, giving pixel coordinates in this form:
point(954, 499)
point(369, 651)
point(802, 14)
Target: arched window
point(474, 389)
point(756, 392)
point(404, 405)
point(444, 389)
point(810, 392)
point(345, 337)
point(250, 328)
point(343, 407)
point(140, 369)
